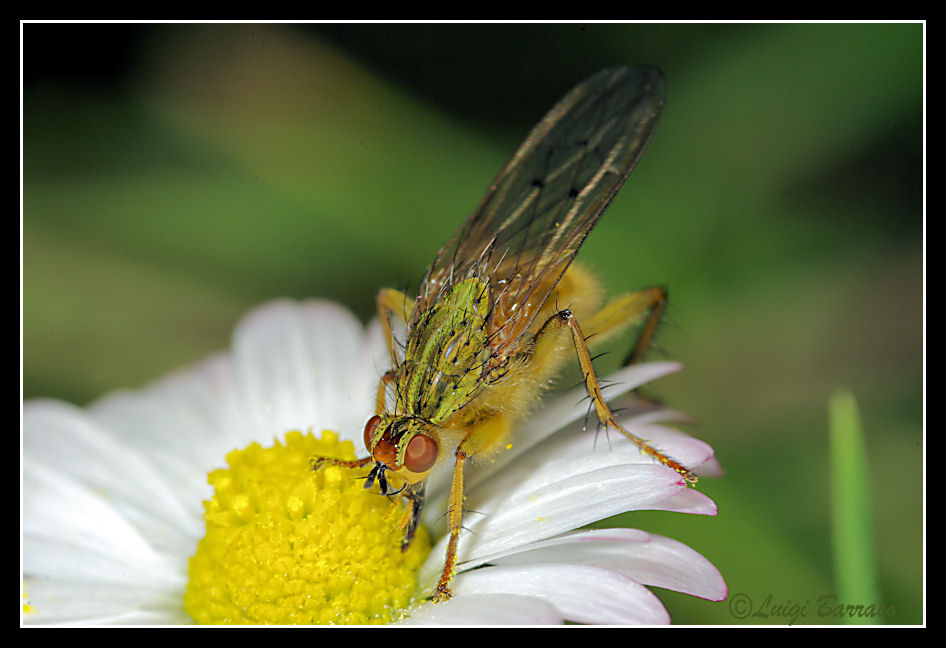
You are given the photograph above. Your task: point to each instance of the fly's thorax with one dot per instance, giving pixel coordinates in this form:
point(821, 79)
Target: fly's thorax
point(404, 445)
point(447, 354)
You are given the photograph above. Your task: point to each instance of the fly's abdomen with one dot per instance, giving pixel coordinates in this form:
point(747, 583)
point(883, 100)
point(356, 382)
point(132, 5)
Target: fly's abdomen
point(447, 351)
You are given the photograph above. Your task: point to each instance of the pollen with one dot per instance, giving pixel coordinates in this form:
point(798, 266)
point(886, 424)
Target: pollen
point(288, 545)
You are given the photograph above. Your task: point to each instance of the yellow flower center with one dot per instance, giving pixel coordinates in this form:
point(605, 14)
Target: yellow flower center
point(288, 545)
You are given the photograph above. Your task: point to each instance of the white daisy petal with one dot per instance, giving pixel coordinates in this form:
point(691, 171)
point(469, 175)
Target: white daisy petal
point(647, 558)
point(60, 511)
point(62, 439)
point(90, 596)
point(580, 593)
point(530, 515)
point(91, 603)
point(184, 423)
point(491, 609)
point(288, 358)
point(83, 558)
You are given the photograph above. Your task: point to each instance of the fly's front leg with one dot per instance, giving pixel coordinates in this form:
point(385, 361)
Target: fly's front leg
point(546, 336)
point(414, 494)
point(454, 520)
point(483, 437)
point(320, 462)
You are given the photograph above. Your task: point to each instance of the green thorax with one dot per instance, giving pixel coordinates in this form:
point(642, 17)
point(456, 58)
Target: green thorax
point(447, 350)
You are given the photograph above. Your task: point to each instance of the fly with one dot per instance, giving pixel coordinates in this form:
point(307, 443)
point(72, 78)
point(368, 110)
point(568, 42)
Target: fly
point(484, 334)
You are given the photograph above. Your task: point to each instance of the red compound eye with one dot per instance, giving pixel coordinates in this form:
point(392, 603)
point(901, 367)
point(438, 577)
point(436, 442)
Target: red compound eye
point(369, 429)
point(421, 454)
point(382, 450)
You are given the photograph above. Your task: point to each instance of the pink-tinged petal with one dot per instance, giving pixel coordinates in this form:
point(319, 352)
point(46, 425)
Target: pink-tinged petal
point(648, 559)
point(660, 415)
point(486, 609)
point(572, 453)
point(688, 501)
point(565, 483)
point(628, 378)
point(689, 451)
point(496, 524)
point(293, 364)
point(580, 593)
point(561, 410)
point(711, 468)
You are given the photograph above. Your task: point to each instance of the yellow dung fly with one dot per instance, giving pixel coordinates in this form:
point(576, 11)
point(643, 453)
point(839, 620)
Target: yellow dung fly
point(485, 333)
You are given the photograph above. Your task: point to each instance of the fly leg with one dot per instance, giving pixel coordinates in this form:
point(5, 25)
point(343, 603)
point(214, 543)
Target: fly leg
point(414, 494)
point(391, 303)
point(548, 335)
point(319, 462)
point(454, 519)
point(623, 311)
point(483, 436)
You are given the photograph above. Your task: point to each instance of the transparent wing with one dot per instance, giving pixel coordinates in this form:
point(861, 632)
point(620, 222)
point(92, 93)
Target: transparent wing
point(535, 216)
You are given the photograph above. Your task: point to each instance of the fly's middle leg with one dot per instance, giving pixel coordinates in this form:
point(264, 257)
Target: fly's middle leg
point(624, 311)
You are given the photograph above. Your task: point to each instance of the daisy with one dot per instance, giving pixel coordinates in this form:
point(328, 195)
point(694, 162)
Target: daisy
point(162, 506)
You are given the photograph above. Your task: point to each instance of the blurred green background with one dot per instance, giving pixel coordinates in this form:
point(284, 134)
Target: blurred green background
point(174, 176)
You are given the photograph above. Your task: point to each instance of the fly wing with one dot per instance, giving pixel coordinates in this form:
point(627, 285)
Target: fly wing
point(535, 216)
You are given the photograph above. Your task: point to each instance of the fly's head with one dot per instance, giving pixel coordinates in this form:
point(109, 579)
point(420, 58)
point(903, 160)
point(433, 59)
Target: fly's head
point(400, 446)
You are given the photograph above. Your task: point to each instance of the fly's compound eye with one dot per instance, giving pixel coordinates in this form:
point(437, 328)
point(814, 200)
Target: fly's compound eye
point(382, 450)
point(421, 454)
point(370, 427)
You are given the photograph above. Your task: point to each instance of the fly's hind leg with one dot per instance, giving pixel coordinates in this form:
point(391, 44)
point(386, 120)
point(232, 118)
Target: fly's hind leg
point(548, 335)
